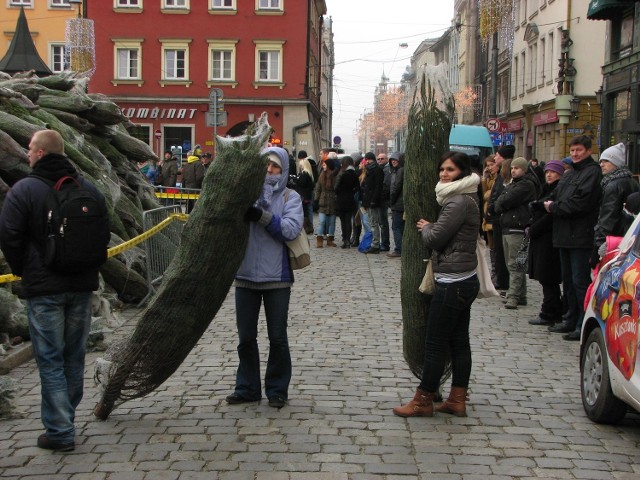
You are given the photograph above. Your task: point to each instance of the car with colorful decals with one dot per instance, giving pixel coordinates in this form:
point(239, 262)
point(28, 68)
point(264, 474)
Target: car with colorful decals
point(609, 360)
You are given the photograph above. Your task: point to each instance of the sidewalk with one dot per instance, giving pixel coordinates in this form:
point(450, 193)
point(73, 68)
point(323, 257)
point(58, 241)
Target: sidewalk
point(525, 413)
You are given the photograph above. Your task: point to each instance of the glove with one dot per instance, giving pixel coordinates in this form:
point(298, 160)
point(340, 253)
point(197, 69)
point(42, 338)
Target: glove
point(536, 205)
point(253, 214)
point(594, 260)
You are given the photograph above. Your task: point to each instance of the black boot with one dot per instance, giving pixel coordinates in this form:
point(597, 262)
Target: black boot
point(355, 238)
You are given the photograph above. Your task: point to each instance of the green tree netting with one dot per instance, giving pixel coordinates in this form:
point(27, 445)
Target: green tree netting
point(429, 125)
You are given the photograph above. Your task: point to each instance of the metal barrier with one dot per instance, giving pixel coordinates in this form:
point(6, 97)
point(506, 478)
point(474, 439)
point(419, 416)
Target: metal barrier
point(177, 195)
point(161, 247)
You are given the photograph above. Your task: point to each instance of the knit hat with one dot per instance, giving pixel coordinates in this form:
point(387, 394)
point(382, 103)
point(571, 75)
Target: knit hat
point(615, 155)
point(302, 154)
point(520, 163)
point(369, 156)
point(567, 160)
point(192, 158)
point(554, 166)
point(507, 151)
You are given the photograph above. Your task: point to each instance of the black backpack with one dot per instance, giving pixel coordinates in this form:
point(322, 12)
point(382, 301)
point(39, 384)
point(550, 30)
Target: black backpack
point(77, 228)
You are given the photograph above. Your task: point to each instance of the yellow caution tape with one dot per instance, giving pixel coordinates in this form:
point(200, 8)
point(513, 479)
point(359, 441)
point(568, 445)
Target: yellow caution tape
point(178, 196)
point(113, 251)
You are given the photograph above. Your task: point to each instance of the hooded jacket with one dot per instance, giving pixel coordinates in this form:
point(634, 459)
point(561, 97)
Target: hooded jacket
point(512, 204)
point(23, 231)
point(193, 173)
point(266, 259)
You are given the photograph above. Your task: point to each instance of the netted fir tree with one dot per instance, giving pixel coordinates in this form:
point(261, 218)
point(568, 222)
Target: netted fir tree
point(429, 124)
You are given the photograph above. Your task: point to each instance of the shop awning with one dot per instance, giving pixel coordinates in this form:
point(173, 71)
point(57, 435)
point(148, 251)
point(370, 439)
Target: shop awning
point(606, 9)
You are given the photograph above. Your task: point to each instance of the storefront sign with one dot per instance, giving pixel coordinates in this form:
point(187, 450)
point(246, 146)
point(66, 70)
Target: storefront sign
point(161, 113)
point(514, 125)
point(543, 118)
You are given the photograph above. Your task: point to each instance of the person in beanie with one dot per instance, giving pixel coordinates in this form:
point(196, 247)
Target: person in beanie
point(574, 205)
point(58, 305)
point(265, 277)
point(513, 207)
point(396, 203)
point(501, 280)
point(544, 259)
point(617, 184)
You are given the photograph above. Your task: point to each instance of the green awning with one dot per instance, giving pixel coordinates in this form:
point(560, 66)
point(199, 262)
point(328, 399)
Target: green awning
point(607, 9)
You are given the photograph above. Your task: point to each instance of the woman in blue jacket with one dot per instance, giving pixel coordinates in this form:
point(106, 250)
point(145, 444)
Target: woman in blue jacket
point(266, 276)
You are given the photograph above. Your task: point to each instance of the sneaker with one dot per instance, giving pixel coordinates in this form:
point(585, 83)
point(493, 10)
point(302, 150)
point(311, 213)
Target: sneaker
point(540, 321)
point(562, 327)
point(511, 303)
point(372, 250)
point(393, 254)
point(48, 444)
point(277, 402)
point(235, 399)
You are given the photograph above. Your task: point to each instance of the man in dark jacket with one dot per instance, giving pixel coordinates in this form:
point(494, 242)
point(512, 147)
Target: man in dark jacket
point(505, 152)
point(385, 240)
point(396, 203)
point(574, 205)
point(372, 198)
point(513, 207)
point(192, 177)
point(59, 305)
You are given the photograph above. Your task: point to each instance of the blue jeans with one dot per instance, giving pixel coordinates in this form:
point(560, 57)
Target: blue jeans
point(448, 333)
point(59, 326)
point(374, 221)
point(326, 224)
point(576, 277)
point(278, 374)
point(397, 227)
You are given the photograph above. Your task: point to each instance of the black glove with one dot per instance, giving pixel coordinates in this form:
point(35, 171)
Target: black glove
point(536, 205)
point(253, 214)
point(594, 260)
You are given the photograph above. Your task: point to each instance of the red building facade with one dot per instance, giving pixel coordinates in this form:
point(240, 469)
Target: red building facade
point(160, 60)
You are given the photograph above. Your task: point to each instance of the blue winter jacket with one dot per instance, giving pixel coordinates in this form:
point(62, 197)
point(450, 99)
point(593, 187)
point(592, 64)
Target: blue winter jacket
point(266, 258)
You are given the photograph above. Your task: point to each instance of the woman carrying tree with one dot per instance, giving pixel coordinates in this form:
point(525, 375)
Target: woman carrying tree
point(265, 276)
point(453, 239)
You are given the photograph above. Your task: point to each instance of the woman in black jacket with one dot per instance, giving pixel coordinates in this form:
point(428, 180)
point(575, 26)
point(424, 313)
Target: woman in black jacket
point(544, 259)
point(346, 187)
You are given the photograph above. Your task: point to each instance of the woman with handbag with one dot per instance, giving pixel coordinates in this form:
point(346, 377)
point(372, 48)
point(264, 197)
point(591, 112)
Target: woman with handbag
point(265, 277)
point(453, 239)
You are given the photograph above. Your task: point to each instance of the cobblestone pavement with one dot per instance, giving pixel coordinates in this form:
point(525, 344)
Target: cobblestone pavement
point(525, 414)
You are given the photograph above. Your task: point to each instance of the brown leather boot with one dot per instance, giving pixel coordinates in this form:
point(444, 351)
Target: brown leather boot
point(319, 241)
point(330, 242)
point(420, 406)
point(455, 404)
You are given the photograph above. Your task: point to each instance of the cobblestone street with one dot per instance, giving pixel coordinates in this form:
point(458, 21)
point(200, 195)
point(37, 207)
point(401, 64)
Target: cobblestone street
point(525, 414)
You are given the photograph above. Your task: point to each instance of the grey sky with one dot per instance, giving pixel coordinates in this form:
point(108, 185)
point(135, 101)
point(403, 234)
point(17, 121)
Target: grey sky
point(367, 36)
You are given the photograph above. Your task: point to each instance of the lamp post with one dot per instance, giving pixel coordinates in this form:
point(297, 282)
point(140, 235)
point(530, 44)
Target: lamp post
point(574, 105)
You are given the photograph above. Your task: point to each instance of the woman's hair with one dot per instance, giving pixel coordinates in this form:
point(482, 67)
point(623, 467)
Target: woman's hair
point(327, 177)
point(489, 159)
point(305, 166)
point(460, 160)
point(346, 162)
point(505, 170)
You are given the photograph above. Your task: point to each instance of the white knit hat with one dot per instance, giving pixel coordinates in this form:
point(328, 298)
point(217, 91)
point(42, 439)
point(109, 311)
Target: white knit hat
point(615, 155)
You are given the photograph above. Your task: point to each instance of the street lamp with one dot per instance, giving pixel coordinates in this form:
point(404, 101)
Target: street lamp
point(599, 96)
point(574, 104)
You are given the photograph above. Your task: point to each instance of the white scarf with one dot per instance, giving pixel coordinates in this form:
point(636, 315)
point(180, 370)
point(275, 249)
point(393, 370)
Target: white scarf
point(468, 184)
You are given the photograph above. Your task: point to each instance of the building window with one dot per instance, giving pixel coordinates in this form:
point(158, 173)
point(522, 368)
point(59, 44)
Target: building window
point(269, 7)
point(182, 4)
point(128, 60)
point(269, 62)
point(175, 59)
point(622, 36)
point(58, 61)
point(222, 61)
point(59, 3)
point(270, 4)
point(174, 64)
point(223, 4)
point(21, 3)
point(128, 3)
